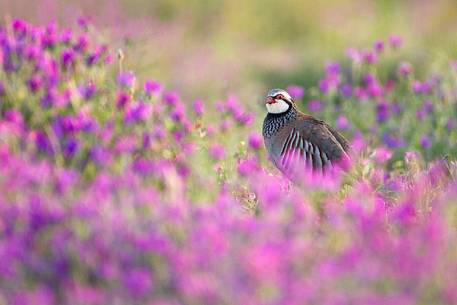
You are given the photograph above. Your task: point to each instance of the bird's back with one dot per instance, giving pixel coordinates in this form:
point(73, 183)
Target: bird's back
point(304, 141)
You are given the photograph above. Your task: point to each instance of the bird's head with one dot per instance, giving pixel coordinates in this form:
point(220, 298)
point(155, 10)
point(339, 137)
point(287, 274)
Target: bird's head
point(278, 101)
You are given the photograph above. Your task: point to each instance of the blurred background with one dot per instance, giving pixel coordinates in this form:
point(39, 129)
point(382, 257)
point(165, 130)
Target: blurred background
point(208, 48)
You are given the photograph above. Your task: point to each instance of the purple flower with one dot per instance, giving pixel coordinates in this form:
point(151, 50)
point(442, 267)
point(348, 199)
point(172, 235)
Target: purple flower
point(83, 22)
point(67, 59)
point(138, 283)
point(382, 154)
point(314, 105)
point(379, 46)
point(295, 91)
point(49, 37)
point(332, 67)
point(247, 166)
point(395, 41)
point(450, 124)
point(70, 148)
point(53, 98)
point(405, 68)
point(171, 98)
point(370, 57)
point(246, 118)
point(136, 112)
point(42, 142)
point(198, 107)
point(382, 111)
point(417, 86)
point(152, 87)
point(420, 114)
point(177, 113)
point(342, 122)
point(87, 91)
point(375, 89)
point(66, 36)
point(354, 55)
point(392, 141)
point(254, 140)
point(20, 28)
point(34, 83)
point(126, 79)
point(82, 44)
point(122, 99)
point(216, 151)
point(14, 116)
point(231, 104)
point(428, 106)
point(95, 55)
point(346, 90)
point(369, 79)
point(425, 142)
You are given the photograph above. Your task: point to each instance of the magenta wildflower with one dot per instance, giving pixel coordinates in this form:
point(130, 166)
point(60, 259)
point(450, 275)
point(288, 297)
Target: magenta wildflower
point(67, 59)
point(66, 36)
point(122, 99)
point(342, 122)
point(425, 142)
point(171, 98)
point(450, 124)
point(404, 68)
point(354, 55)
point(226, 124)
point(370, 57)
point(382, 111)
point(152, 87)
point(395, 41)
point(34, 83)
point(87, 91)
point(296, 91)
point(138, 111)
point(333, 67)
point(83, 22)
point(177, 113)
point(346, 90)
point(216, 151)
point(198, 107)
point(82, 44)
point(247, 166)
point(246, 118)
point(20, 28)
point(382, 154)
point(126, 79)
point(378, 46)
point(231, 104)
point(314, 105)
point(255, 140)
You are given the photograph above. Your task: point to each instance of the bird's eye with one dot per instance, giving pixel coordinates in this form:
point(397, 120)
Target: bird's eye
point(279, 97)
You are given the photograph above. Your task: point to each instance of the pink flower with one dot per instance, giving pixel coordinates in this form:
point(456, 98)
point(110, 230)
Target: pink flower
point(295, 91)
point(198, 107)
point(395, 41)
point(254, 140)
point(216, 151)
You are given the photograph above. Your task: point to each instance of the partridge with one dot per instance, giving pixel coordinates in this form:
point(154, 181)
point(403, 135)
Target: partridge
point(298, 143)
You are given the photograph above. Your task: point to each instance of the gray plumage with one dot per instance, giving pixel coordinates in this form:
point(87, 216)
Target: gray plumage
point(299, 142)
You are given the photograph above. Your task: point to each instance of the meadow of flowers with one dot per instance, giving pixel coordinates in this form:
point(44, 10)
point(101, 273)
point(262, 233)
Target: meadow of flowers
point(116, 190)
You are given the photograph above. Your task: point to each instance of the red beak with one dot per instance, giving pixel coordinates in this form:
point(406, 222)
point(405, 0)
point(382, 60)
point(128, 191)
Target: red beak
point(270, 100)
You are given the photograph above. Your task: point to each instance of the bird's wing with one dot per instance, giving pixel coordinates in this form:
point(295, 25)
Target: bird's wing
point(339, 137)
point(311, 144)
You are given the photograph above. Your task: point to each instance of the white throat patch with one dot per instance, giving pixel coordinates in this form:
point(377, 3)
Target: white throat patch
point(278, 107)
